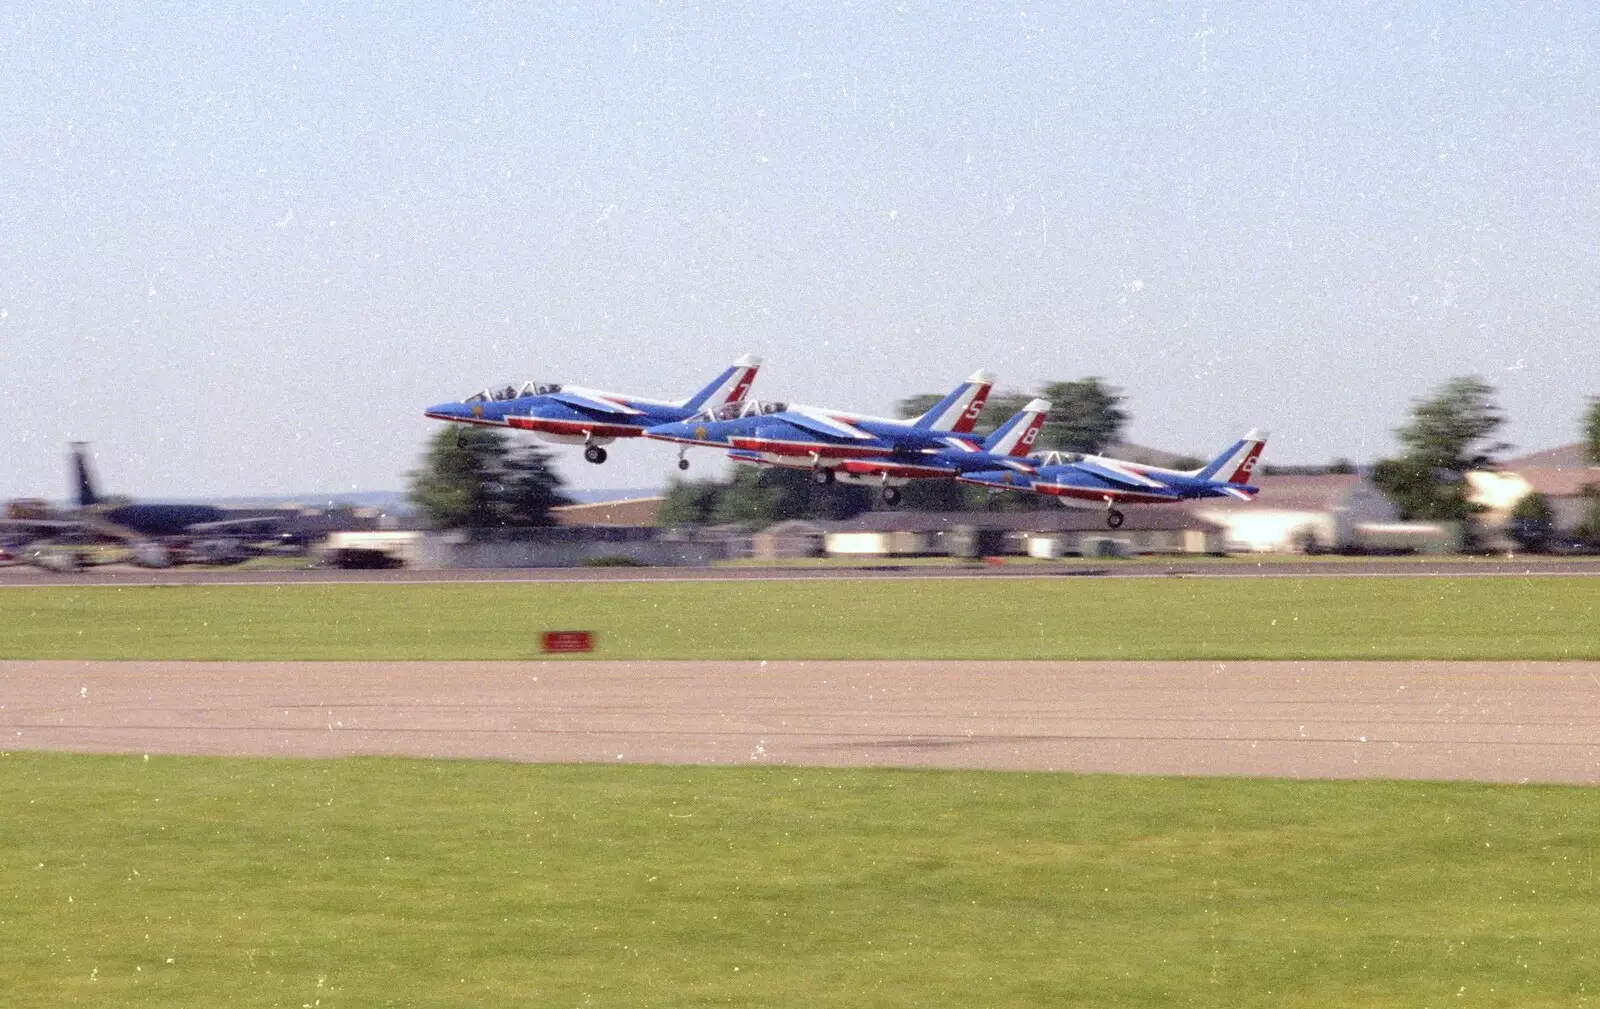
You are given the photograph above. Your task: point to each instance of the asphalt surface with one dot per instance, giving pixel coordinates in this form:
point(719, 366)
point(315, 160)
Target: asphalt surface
point(1483, 721)
point(1230, 568)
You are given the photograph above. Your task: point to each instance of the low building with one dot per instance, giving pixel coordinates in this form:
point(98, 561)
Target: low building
point(1055, 532)
point(1564, 475)
point(636, 512)
point(1298, 514)
point(786, 540)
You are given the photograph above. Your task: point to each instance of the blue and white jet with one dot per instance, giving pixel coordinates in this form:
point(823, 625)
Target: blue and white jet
point(592, 418)
point(1007, 447)
point(823, 441)
point(1090, 481)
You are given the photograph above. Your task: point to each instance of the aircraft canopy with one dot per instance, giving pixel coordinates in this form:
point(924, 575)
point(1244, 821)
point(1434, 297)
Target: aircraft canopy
point(500, 394)
point(742, 408)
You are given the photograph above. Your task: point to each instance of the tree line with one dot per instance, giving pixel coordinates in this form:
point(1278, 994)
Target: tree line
point(478, 478)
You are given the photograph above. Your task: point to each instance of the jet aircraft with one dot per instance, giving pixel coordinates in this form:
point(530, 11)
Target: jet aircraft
point(1008, 446)
point(589, 417)
point(1088, 481)
point(156, 535)
point(825, 441)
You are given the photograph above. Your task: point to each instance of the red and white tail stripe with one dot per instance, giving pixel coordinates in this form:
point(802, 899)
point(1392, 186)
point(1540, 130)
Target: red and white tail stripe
point(1019, 440)
point(1239, 467)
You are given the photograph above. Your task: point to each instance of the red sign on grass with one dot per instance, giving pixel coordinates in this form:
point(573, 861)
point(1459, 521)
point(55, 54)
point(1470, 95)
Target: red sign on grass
point(568, 641)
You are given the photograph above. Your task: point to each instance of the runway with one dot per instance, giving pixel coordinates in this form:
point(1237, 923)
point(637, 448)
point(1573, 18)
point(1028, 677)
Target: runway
point(1451, 567)
point(1481, 721)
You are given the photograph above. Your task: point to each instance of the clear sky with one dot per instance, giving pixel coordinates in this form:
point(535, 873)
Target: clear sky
point(245, 245)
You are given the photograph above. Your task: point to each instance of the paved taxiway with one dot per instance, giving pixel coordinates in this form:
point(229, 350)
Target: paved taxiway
point(1485, 721)
point(1228, 568)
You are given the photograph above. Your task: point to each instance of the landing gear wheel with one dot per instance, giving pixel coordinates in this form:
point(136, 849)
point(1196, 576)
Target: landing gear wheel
point(1114, 519)
point(595, 454)
point(891, 496)
point(683, 464)
point(822, 477)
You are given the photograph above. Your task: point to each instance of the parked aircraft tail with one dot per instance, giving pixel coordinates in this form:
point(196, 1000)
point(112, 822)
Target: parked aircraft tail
point(1238, 462)
point(1017, 435)
point(959, 411)
point(87, 496)
point(728, 387)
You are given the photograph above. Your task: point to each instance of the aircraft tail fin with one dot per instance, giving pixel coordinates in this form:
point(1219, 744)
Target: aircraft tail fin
point(85, 480)
point(959, 411)
point(1238, 462)
point(728, 387)
point(1017, 435)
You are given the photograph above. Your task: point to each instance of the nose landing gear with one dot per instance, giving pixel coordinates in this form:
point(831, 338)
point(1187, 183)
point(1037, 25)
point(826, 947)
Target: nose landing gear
point(682, 462)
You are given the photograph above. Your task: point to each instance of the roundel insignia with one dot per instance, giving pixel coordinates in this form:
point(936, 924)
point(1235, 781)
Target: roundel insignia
point(477, 410)
point(700, 432)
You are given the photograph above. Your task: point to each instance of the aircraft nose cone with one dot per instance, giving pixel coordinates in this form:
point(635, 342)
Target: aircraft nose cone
point(447, 411)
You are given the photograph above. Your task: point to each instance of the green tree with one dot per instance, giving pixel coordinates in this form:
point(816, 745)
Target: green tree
point(1448, 435)
point(475, 478)
point(1533, 522)
point(691, 502)
point(1591, 430)
point(1085, 416)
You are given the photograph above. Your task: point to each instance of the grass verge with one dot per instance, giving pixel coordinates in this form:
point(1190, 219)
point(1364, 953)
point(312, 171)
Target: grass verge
point(1224, 619)
point(184, 881)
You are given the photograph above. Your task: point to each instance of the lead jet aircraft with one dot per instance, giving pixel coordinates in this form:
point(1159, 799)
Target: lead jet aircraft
point(1088, 481)
point(824, 441)
point(589, 417)
point(1008, 447)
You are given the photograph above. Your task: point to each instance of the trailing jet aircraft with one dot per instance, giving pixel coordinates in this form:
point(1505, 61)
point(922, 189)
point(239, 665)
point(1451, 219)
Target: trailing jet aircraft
point(156, 535)
point(824, 441)
point(1008, 447)
point(591, 418)
point(1088, 481)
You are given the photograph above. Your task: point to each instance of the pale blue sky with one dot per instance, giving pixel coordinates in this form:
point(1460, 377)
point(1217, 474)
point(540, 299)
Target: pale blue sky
point(244, 248)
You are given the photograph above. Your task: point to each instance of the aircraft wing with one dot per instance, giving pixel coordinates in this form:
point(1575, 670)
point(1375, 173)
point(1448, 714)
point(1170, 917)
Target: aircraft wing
point(1121, 475)
point(584, 402)
point(824, 425)
point(259, 524)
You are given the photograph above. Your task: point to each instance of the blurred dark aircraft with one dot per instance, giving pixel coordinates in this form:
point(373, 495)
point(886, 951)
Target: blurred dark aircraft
point(150, 535)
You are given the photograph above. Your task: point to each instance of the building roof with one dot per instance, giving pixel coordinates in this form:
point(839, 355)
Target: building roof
point(638, 512)
point(1321, 493)
point(1573, 456)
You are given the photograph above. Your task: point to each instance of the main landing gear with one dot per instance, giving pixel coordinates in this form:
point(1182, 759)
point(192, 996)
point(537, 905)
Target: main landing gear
point(594, 453)
point(891, 496)
point(822, 477)
point(1113, 518)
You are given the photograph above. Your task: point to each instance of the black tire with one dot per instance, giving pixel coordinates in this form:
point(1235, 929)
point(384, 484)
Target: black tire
point(891, 496)
point(1114, 519)
point(822, 477)
point(595, 454)
point(683, 464)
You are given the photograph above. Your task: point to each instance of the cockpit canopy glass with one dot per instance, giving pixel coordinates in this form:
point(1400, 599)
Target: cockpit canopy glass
point(742, 408)
point(500, 394)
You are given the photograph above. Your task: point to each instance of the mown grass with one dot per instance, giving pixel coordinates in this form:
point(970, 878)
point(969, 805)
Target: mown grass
point(367, 882)
point(1067, 618)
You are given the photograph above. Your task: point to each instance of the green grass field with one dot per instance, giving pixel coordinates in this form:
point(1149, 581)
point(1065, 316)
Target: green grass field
point(1046, 618)
point(369, 882)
